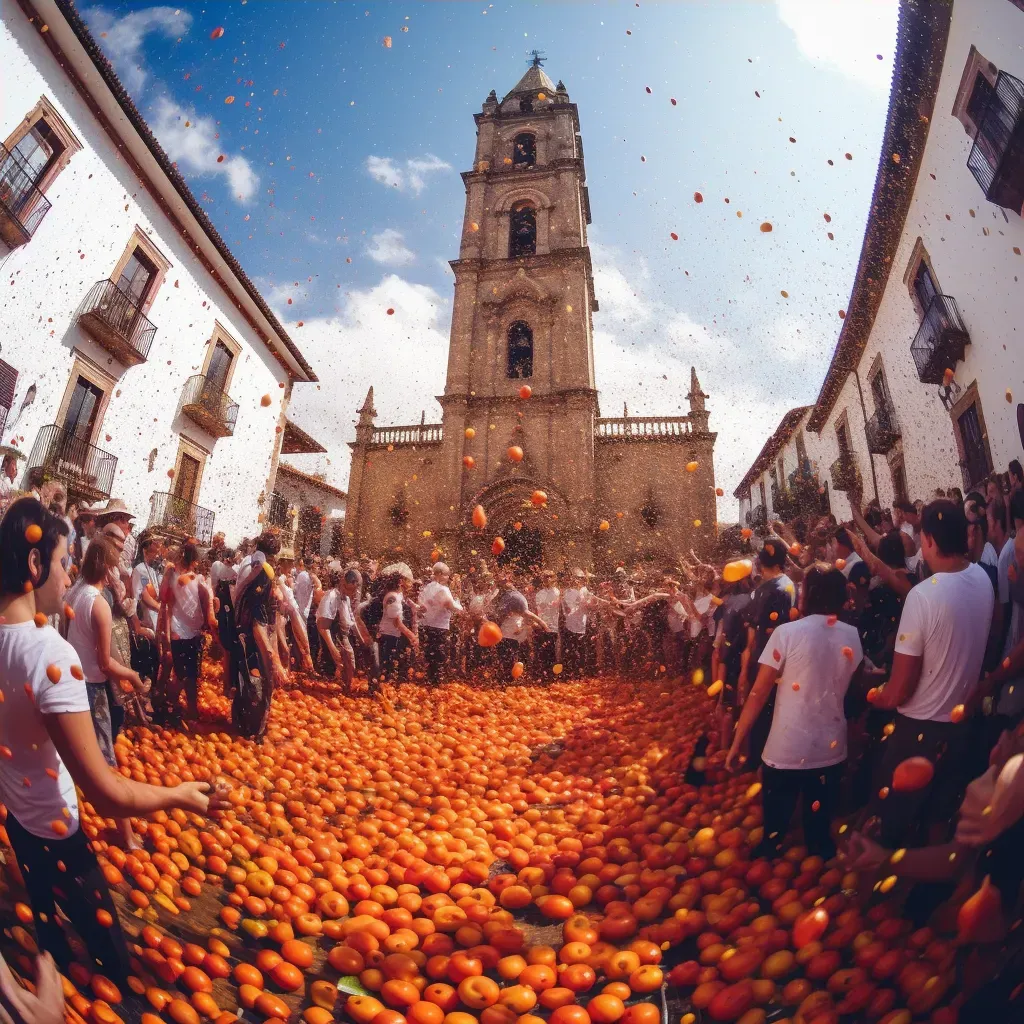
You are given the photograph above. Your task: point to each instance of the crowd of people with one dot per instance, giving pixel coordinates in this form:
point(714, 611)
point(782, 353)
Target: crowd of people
point(871, 671)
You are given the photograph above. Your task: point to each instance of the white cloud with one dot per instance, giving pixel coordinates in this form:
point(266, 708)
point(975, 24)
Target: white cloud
point(122, 38)
point(403, 356)
point(388, 246)
point(195, 148)
point(644, 348)
point(410, 176)
point(846, 34)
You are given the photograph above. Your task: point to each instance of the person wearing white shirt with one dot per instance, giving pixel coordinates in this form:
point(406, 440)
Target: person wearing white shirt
point(437, 605)
point(809, 664)
point(548, 605)
point(940, 648)
point(290, 615)
point(303, 590)
point(146, 585)
point(42, 820)
point(336, 607)
point(575, 600)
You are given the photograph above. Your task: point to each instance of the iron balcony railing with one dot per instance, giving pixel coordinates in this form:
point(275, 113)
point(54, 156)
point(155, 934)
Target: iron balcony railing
point(59, 454)
point(940, 340)
point(277, 513)
point(882, 431)
point(113, 320)
point(205, 402)
point(178, 516)
point(22, 205)
point(843, 472)
point(4, 413)
point(997, 157)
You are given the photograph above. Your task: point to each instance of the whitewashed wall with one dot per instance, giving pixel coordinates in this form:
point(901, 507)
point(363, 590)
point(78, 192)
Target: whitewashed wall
point(302, 493)
point(971, 246)
point(96, 204)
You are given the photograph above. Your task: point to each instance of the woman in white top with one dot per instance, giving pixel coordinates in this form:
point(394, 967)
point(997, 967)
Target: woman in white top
point(394, 637)
point(48, 737)
point(813, 660)
point(187, 609)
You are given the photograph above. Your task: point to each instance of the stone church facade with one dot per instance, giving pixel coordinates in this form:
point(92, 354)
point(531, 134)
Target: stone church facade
point(618, 490)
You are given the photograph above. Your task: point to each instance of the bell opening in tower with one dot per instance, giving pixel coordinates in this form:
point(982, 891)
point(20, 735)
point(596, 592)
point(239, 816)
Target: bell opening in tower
point(526, 106)
point(520, 350)
point(524, 150)
point(522, 231)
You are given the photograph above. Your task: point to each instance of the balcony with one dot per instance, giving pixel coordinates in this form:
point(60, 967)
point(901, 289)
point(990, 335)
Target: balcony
point(22, 205)
point(58, 454)
point(844, 472)
point(111, 317)
point(997, 157)
point(280, 518)
point(179, 517)
point(642, 428)
point(205, 402)
point(418, 433)
point(940, 341)
point(882, 431)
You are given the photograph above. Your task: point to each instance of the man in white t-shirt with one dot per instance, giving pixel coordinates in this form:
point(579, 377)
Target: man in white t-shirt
point(437, 605)
point(575, 601)
point(940, 647)
point(336, 607)
point(547, 603)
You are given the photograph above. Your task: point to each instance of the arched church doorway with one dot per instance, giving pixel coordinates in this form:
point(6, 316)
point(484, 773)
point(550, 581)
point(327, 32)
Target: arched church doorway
point(524, 548)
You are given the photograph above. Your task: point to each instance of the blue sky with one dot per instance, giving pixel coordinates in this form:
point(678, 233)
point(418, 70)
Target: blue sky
point(339, 188)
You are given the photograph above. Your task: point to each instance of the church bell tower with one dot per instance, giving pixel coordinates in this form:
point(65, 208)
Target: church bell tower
point(522, 316)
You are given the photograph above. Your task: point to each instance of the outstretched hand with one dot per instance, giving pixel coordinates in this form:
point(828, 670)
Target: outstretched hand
point(46, 1006)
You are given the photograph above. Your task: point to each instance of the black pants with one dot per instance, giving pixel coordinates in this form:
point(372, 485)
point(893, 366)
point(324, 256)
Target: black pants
point(394, 657)
point(80, 890)
point(545, 651)
point(818, 788)
point(573, 653)
point(759, 731)
point(186, 655)
point(436, 644)
point(314, 637)
point(145, 657)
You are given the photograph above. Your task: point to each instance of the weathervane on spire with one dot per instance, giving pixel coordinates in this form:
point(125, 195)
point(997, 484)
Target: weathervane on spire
point(537, 58)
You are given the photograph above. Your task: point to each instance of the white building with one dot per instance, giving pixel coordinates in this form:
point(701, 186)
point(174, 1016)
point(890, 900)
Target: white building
point(139, 361)
point(309, 511)
point(926, 385)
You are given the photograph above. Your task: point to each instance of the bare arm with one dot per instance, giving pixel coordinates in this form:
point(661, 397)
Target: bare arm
point(872, 536)
point(925, 864)
point(109, 665)
point(109, 792)
point(268, 650)
point(759, 694)
point(899, 581)
point(323, 627)
point(903, 681)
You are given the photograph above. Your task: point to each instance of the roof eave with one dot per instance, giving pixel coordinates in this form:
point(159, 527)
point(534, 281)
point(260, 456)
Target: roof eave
point(920, 49)
point(154, 167)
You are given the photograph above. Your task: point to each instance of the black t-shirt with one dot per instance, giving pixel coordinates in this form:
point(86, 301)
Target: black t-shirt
point(774, 597)
point(257, 604)
point(734, 609)
point(878, 624)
